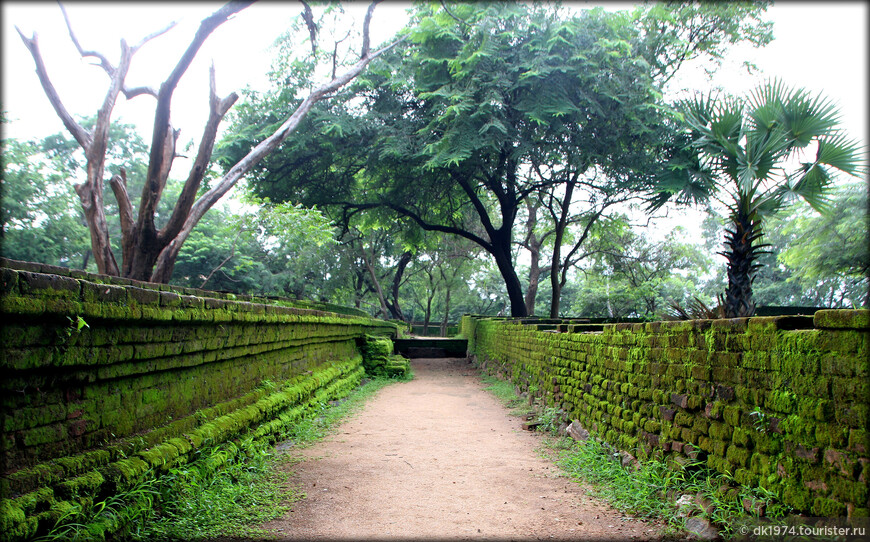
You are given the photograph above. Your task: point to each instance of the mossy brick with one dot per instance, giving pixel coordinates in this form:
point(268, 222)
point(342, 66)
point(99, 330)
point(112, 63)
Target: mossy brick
point(21, 306)
point(760, 463)
point(102, 293)
point(86, 484)
point(42, 285)
point(43, 435)
point(854, 415)
point(736, 342)
point(126, 472)
point(847, 490)
point(831, 435)
point(842, 319)
point(729, 360)
point(746, 477)
point(859, 441)
point(66, 306)
point(142, 296)
point(767, 442)
point(8, 281)
point(720, 464)
point(800, 341)
point(27, 358)
point(29, 417)
point(827, 508)
point(798, 497)
point(191, 302)
point(840, 341)
point(169, 300)
point(731, 415)
point(730, 325)
point(742, 437)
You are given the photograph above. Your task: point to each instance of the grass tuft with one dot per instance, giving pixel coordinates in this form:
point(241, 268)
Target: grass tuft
point(651, 489)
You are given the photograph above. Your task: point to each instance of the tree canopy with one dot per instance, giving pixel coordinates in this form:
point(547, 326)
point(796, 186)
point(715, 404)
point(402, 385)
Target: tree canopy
point(488, 104)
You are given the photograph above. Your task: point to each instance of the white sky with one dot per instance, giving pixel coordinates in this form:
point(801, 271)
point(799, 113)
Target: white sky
point(820, 46)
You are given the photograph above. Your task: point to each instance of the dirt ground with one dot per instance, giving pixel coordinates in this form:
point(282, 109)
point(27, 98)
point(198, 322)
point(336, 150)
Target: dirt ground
point(440, 458)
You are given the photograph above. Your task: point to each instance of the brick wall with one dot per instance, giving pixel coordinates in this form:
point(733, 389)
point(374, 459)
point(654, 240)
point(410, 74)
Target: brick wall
point(777, 402)
point(106, 381)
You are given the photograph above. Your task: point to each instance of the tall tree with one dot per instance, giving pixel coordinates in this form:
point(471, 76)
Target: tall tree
point(38, 219)
point(149, 252)
point(450, 127)
point(763, 152)
point(826, 257)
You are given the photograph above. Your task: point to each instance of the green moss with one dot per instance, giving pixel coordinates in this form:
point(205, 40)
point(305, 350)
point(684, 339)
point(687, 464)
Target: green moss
point(828, 508)
point(842, 319)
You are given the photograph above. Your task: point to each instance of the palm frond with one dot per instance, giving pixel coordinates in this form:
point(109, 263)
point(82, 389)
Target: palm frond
point(805, 119)
point(839, 152)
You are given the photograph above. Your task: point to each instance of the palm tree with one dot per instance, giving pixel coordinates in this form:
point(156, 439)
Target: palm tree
point(758, 152)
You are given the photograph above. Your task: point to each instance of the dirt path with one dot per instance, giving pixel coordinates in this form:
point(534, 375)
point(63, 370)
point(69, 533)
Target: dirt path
point(440, 458)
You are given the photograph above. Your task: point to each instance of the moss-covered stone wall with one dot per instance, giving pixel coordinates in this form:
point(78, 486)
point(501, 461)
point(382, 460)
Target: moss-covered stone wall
point(777, 402)
point(106, 381)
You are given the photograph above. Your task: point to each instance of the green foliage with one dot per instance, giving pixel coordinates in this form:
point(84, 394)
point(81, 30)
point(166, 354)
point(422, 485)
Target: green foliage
point(549, 419)
point(628, 276)
point(277, 249)
point(41, 215)
point(40, 220)
point(479, 95)
point(829, 254)
point(503, 390)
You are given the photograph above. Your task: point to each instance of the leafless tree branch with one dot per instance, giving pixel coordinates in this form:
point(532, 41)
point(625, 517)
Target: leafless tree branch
point(82, 136)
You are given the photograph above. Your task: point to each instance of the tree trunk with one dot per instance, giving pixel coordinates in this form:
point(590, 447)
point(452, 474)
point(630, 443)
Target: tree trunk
point(375, 283)
point(149, 254)
point(504, 262)
point(393, 302)
point(533, 244)
point(741, 270)
point(428, 314)
point(446, 314)
point(556, 265)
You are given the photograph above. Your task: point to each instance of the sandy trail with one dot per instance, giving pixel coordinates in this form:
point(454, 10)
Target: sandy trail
point(440, 458)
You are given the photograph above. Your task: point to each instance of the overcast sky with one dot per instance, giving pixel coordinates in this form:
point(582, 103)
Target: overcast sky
point(821, 46)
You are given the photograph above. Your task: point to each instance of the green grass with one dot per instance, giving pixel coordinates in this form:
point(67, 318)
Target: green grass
point(196, 501)
point(650, 490)
point(505, 392)
point(224, 490)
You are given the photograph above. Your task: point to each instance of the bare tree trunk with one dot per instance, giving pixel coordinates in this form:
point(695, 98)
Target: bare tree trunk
point(446, 313)
point(556, 265)
point(149, 254)
point(375, 282)
point(533, 244)
point(428, 314)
